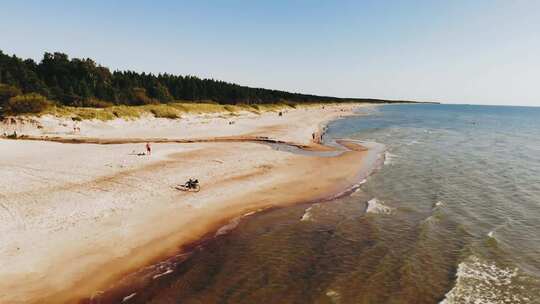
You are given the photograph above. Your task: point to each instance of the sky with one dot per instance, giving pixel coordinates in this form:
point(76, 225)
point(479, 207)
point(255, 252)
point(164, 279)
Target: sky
point(474, 52)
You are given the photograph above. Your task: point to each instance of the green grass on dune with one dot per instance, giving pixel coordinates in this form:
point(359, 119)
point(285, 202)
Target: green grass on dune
point(173, 110)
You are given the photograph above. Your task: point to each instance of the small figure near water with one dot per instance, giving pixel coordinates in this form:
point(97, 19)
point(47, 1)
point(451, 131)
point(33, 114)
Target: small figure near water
point(148, 149)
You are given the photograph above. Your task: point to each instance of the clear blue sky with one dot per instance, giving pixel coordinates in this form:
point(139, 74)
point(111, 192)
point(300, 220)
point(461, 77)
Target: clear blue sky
point(481, 52)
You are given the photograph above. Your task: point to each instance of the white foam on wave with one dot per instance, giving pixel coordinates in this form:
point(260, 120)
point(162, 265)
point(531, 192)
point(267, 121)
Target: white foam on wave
point(307, 216)
point(491, 234)
point(235, 221)
point(356, 187)
point(482, 282)
point(389, 158)
point(229, 227)
point(127, 298)
point(357, 190)
point(413, 142)
point(377, 207)
point(333, 295)
point(249, 213)
point(162, 274)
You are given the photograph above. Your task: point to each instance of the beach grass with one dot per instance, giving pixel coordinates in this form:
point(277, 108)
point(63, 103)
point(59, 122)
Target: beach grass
point(173, 110)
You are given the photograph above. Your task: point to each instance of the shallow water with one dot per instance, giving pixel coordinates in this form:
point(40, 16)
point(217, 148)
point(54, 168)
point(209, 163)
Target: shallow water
point(453, 216)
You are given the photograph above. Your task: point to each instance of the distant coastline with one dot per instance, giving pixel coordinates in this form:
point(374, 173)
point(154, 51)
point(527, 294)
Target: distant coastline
point(29, 87)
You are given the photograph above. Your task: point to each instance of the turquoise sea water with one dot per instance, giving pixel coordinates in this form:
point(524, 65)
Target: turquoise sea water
point(453, 216)
point(469, 176)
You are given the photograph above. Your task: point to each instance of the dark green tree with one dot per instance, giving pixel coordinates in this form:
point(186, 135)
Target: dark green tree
point(83, 82)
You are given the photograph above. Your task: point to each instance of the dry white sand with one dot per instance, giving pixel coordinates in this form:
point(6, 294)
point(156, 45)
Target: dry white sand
point(76, 217)
point(296, 125)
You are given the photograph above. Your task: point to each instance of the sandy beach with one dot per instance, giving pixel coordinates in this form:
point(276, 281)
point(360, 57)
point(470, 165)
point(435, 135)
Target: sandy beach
point(76, 218)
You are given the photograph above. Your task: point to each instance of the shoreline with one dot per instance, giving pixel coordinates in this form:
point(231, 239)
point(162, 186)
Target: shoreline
point(133, 284)
point(269, 170)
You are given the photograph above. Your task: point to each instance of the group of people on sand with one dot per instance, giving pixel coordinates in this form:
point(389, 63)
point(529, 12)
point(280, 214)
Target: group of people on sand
point(317, 137)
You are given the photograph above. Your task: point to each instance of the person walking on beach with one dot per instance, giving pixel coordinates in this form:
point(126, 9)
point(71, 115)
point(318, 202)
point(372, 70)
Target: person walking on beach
point(148, 149)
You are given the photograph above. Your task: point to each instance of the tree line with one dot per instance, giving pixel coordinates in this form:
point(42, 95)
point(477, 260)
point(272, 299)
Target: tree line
point(82, 82)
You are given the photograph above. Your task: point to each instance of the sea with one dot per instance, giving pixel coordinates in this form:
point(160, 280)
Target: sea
point(452, 215)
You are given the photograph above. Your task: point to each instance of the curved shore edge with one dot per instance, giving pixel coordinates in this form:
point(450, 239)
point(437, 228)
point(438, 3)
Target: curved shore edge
point(147, 261)
point(132, 285)
point(148, 222)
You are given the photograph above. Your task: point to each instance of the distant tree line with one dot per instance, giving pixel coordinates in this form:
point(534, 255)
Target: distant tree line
point(82, 82)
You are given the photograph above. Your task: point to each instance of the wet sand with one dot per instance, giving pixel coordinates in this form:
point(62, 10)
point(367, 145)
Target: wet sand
point(76, 219)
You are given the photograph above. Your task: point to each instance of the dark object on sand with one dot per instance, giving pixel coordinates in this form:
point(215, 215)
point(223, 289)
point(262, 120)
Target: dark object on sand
point(280, 114)
point(13, 136)
point(148, 149)
point(137, 153)
point(192, 185)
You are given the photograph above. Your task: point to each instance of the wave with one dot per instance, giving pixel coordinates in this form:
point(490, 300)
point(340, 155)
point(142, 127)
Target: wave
point(413, 142)
point(389, 158)
point(438, 204)
point(235, 221)
point(127, 298)
point(432, 219)
point(358, 191)
point(377, 207)
point(482, 282)
point(355, 188)
point(307, 215)
point(157, 276)
point(333, 295)
point(228, 227)
point(436, 213)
